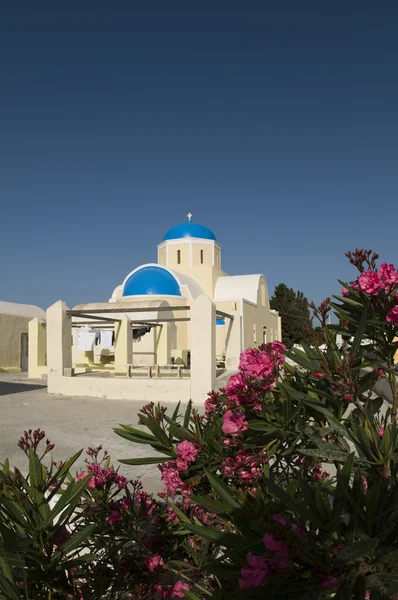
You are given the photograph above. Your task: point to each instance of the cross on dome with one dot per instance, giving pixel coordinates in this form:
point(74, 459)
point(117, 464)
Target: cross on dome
point(189, 215)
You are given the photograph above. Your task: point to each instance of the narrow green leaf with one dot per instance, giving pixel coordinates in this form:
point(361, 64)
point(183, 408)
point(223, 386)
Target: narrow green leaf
point(360, 331)
point(213, 505)
point(187, 414)
point(144, 461)
point(74, 490)
point(175, 413)
point(75, 541)
point(221, 489)
point(356, 550)
point(215, 535)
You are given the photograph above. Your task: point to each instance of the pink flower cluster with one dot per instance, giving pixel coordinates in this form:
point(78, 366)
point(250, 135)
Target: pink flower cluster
point(261, 363)
point(171, 477)
point(102, 477)
point(153, 562)
point(171, 591)
point(234, 422)
point(186, 453)
point(260, 567)
point(248, 468)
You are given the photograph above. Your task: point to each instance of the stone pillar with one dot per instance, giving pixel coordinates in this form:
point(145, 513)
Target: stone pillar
point(37, 348)
point(163, 345)
point(123, 345)
point(59, 340)
point(203, 348)
point(233, 344)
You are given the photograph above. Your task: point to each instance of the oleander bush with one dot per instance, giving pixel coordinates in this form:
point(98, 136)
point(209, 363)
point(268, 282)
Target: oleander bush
point(284, 486)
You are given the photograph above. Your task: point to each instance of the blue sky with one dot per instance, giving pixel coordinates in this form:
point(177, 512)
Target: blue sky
point(274, 122)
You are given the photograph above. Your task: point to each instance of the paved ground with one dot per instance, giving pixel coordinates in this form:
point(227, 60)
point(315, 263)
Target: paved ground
point(71, 424)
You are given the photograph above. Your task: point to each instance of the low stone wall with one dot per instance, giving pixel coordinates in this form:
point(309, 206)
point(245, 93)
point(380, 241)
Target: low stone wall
point(143, 390)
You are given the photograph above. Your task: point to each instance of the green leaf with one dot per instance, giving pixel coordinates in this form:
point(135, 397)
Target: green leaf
point(36, 477)
point(221, 489)
point(213, 505)
point(326, 452)
point(187, 414)
point(360, 331)
point(215, 535)
point(356, 550)
point(62, 471)
point(72, 492)
point(289, 502)
point(75, 541)
point(259, 425)
point(175, 413)
point(144, 461)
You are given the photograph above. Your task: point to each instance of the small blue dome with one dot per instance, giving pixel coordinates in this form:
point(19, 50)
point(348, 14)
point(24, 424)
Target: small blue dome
point(151, 280)
point(189, 230)
point(220, 321)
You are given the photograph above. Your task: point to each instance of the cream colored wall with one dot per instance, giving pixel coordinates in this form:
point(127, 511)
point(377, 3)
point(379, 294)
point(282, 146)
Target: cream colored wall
point(37, 366)
point(205, 273)
point(260, 317)
point(11, 329)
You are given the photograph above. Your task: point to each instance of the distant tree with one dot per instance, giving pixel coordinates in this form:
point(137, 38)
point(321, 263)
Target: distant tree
point(294, 310)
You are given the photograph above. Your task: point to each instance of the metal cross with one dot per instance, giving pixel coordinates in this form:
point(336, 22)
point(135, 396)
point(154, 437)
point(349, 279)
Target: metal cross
point(189, 217)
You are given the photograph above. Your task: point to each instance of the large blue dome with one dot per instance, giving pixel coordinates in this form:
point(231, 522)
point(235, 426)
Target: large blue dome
point(189, 230)
point(151, 280)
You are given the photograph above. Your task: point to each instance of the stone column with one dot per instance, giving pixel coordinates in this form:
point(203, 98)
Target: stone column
point(203, 348)
point(37, 348)
point(59, 340)
point(123, 345)
point(233, 344)
point(163, 345)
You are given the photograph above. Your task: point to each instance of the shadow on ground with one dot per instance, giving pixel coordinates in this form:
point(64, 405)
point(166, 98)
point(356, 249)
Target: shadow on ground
point(14, 387)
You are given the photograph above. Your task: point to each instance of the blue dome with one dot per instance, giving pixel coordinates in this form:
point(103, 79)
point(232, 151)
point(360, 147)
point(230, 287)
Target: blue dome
point(189, 230)
point(151, 280)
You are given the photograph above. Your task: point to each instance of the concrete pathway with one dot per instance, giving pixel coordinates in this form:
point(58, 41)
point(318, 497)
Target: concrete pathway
point(71, 424)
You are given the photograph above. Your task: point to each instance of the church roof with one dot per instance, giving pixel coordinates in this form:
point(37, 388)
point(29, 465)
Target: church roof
point(151, 280)
point(189, 230)
point(21, 310)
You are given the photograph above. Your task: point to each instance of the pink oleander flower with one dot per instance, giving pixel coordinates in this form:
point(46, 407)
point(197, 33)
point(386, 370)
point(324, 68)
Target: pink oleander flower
point(276, 351)
point(256, 364)
point(299, 531)
point(279, 519)
point(182, 464)
point(345, 292)
point(330, 582)
point(370, 283)
point(62, 537)
point(236, 384)
point(152, 562)
point(187, 451)
point(233, 422)
point(114, 518)
point(146, 504)
point(255, 575)
point(392, 316)
point(319, 374)
point(381, 432)
point(388, 274)
point(126, 503)
point(170, 477)
point(177, 592)
point(274, 546)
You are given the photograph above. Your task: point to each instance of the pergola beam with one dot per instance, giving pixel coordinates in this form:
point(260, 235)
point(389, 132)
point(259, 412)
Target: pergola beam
point(76, 312)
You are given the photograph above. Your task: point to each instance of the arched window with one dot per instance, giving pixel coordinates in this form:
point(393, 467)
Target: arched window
point(178, 257)
point(201, 257)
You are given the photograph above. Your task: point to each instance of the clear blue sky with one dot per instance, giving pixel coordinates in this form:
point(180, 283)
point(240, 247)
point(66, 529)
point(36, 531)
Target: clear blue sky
point(274, 122)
